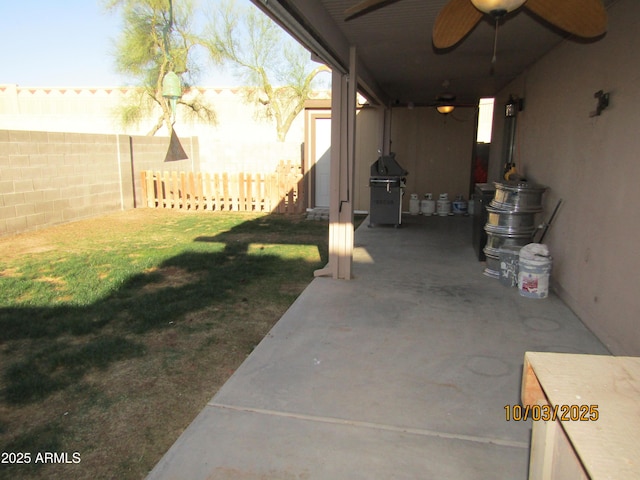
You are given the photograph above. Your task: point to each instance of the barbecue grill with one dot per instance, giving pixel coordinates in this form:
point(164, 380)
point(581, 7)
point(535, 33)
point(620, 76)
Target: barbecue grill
point(387, 187)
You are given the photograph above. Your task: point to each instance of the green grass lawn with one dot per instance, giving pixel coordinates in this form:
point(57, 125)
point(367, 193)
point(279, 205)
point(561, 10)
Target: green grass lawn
point(115, 332)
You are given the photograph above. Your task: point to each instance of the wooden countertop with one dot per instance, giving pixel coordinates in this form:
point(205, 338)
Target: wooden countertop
point(609, 447)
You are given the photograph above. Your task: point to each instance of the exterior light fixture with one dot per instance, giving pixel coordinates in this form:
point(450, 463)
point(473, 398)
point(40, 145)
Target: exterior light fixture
point(603, 102)
point(445, 109)
point(172, 90)
point(445, 101)
point(497, 7)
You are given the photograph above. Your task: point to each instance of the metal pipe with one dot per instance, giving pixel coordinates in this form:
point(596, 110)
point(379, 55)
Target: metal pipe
point(548, 224)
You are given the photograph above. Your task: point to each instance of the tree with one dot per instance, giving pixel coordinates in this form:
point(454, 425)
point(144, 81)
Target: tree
point(157, 38)
point(276, 69)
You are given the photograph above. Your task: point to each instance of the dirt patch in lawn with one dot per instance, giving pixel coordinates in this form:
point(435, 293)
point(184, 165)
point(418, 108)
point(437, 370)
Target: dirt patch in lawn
point(115, 332)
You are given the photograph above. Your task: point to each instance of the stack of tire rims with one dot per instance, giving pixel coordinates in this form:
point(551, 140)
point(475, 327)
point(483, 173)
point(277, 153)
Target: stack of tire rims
point(510, 220)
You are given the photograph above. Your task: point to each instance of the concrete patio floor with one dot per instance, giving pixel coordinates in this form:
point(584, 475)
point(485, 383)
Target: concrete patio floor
point(401, 373)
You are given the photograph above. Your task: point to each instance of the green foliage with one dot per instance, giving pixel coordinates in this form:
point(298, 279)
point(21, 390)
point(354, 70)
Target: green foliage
point(139, 103)
point(276, 69)
point(158, 36)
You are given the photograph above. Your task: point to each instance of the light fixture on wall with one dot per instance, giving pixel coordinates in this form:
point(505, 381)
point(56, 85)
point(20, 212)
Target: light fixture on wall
point(514, 105)
point(603, 102)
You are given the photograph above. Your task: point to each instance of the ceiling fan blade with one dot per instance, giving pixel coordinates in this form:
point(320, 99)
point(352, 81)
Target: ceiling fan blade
point(365, 7)
point(456, 19)
point(583, 18)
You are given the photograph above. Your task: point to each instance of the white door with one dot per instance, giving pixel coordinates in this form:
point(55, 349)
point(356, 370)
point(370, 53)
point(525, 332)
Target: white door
point(323, 160)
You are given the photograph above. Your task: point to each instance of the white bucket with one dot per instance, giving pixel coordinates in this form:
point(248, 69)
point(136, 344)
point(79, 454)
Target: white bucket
point(414, 204)
point(533, 274)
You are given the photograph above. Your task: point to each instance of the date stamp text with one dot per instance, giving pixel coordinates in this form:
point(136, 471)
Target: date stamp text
point(25, 458)
point(545, 413)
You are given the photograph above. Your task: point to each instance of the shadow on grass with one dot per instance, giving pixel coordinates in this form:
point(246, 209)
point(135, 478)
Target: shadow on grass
point(56, 347)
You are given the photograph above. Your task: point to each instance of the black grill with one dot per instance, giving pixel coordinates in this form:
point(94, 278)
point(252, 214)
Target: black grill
point(387, 187)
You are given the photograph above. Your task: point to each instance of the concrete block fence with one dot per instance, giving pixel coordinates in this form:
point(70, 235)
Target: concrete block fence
point(48, 178)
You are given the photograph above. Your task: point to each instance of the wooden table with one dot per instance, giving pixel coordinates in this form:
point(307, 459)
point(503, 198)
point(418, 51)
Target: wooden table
point(586, 415)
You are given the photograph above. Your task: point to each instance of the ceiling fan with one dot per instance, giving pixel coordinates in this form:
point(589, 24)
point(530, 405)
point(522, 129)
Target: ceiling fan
point(583, 18)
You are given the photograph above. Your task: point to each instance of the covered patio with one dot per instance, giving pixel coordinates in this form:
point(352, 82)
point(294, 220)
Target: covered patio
point(402, 372)
point(407, 369)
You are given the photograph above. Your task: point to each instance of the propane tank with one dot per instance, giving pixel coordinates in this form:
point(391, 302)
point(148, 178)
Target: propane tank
point(444, 205)
point(414, 204)
point(460, 206)
point(428, 205)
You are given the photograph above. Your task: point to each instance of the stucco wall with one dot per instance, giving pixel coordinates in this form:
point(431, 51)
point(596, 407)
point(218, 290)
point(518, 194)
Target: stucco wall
point(369, 124)
point(435, 149)
point(592, 164)
point(241, 141)
point(47, 178)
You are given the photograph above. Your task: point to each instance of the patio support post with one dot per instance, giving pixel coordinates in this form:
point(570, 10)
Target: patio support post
point(343, 124)
point(386, 132)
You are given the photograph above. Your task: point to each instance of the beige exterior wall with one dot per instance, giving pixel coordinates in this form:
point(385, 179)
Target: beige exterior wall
point(592, 164)
point(369, 124)
point(436, 150)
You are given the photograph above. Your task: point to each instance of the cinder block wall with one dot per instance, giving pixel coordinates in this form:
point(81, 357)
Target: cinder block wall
point(47, 178)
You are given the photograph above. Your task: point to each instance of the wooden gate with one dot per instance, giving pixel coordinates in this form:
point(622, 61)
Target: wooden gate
point(279, 192)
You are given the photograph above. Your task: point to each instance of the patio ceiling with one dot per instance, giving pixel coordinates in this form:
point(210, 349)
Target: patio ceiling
point(398, 63)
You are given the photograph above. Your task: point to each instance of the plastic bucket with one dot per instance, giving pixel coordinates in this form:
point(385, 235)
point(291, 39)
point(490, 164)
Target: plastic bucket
point(533, 276)
point(509, 259)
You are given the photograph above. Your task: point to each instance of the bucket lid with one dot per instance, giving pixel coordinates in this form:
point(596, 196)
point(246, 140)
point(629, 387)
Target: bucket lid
point(535, 251)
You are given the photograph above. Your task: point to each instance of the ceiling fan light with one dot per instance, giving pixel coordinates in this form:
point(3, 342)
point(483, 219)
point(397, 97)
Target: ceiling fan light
point(444, 109)
point(490, 6)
